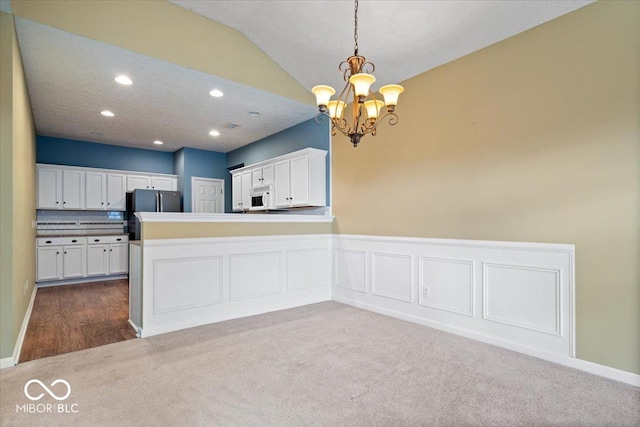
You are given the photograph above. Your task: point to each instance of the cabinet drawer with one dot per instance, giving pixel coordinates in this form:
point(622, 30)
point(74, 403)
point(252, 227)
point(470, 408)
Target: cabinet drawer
point(99, 240)
point(61, 241)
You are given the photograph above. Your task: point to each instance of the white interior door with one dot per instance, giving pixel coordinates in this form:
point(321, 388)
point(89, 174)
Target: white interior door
point(207, 195)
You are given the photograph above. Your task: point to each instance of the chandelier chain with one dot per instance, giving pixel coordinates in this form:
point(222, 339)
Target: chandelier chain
point(355, 28)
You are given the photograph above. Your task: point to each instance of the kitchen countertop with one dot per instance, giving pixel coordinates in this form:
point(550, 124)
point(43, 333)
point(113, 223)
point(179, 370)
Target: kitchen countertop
point(229, 217)
point(39, 235)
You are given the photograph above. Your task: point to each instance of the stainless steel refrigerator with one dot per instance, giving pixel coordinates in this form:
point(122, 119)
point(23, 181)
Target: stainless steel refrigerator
point(149, 201)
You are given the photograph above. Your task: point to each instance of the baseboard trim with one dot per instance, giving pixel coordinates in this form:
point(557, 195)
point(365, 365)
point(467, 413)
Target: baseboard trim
point(135, 328)
point(81, 280)
point(582, 365)
point(8, 362)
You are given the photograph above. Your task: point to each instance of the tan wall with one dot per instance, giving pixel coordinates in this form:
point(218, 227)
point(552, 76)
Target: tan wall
point(163, 30)
point(18, 194)
point(534, 139)
point(187, 230)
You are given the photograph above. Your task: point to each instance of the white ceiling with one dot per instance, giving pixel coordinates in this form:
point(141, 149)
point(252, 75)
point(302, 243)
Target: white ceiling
point(70, 78)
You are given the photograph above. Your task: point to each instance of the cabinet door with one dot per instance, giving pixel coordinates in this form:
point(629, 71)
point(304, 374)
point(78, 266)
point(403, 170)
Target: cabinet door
point(282, 184)
point(73, 189)
point(73, 261)
point(118, 258)
point(299, 181)
point(96, 189)
point(267, 175)
point(236, 192)
point(49, 263)
point(256, 177)
point(116, 191)
point(138, 181)
point(97, 260)
point(161, 183)
point(246, 190)
point(49, 188)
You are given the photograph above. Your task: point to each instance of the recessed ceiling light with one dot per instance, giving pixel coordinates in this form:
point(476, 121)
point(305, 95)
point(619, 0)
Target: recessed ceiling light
point(158, 142)
point(216, 93)
point(107, 113)
point(254, 113)
point(123, 80)
point(214, 133)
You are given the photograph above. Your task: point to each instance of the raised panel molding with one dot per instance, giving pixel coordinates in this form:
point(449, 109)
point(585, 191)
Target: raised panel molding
point(522, 296)
point(202, 276)
point(350, 269)
point(516, 293)
point(392, 276)
point(450, 285)
point(306, 268)
point(254, 274)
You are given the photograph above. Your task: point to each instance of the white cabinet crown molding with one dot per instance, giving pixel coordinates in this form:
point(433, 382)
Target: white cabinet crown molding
point(288, 156)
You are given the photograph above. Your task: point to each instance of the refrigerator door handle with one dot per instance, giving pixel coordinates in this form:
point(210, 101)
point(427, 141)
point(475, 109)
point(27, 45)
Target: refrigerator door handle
point(161, 203)
point(157, 203)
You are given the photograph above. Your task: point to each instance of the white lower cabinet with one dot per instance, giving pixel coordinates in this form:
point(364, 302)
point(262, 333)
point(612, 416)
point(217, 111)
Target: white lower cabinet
point(61, 258)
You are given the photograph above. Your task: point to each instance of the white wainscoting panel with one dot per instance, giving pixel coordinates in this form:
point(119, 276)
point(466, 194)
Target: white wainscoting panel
point(446, 284)
point(203, 280)
point(350, 269)
point(519, 295)
point(254, 275)
point(522, 296)
point(191, 282)
point(307, 268)
point(391, 276)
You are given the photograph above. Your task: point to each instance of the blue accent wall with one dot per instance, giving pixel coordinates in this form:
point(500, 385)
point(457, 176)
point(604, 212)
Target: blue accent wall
point(202, 164)
point(70, 152)
point(304, 135)
point(178, 169)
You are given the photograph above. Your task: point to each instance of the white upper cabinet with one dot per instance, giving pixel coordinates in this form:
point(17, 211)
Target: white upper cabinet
point(151, 182)
point(96, 190)
point(60, 188)
point(241, 184)
point(161, 183)
point(70, 187)
point(73, 184)
point(116, 191)
point(263, 175)
point(49, 188)
point(135, 182)
point(301, 180)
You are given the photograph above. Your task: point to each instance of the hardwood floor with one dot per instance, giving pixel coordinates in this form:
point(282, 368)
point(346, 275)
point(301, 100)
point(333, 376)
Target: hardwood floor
point(76, 317)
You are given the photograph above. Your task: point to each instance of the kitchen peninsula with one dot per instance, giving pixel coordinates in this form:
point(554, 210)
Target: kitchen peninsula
point(194, 269)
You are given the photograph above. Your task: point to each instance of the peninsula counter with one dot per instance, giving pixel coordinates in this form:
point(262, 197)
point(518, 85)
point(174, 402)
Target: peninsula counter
point(193, 269)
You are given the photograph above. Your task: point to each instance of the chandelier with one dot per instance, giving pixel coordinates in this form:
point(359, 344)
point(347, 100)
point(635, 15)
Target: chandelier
point(366, 109)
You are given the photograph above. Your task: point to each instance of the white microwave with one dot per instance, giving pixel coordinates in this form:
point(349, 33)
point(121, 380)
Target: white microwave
point(262, 198)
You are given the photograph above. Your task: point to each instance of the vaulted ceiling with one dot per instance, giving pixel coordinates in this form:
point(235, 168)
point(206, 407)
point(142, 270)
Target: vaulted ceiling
point(70, 76)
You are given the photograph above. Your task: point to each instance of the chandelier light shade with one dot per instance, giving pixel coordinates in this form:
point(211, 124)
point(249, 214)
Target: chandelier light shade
point(367, 112)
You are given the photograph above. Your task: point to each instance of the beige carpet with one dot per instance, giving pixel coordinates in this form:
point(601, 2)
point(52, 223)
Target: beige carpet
point(325, 364)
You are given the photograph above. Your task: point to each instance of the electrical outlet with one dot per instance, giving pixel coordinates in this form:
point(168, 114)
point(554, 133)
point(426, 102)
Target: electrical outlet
point(426, 292)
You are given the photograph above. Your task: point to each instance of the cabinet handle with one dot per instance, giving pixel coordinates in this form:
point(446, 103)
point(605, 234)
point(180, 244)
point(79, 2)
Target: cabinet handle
point(65, 252)
point(102, 203)
point(118, 240)
point(57, 253)
point(57, 203)
point(64, 203)
point(74, 241)
point(108, 204)
point(110, 250)
point(96, 240)
point(104, 250)
point(48, 241)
